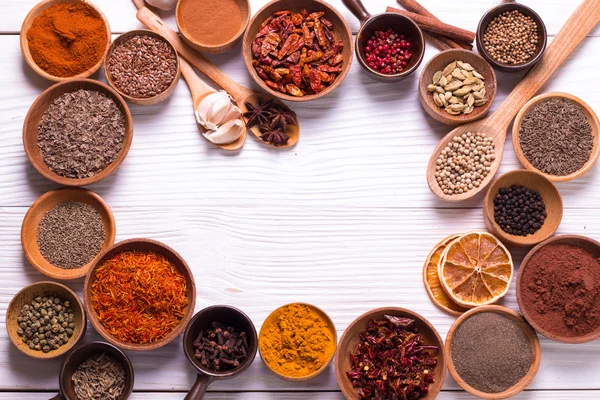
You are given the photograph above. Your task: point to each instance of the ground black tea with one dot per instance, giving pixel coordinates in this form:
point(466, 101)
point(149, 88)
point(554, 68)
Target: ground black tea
point(70, 235)
point(556, 137)
point(491, 352)
point(81, 133)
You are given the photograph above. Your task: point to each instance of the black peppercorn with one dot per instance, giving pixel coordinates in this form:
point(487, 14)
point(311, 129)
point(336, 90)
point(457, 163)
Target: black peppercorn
point(519, 211)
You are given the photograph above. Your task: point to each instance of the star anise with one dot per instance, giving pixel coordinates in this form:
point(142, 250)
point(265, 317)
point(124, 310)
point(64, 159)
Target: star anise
point(282, 116)
point(259, 114)
point(276, 136)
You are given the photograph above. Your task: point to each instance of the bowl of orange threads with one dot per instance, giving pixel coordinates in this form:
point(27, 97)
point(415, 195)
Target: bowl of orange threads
point(139, 294)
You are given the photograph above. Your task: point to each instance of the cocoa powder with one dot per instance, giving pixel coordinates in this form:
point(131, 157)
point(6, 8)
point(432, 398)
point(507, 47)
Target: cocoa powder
point(561, 289)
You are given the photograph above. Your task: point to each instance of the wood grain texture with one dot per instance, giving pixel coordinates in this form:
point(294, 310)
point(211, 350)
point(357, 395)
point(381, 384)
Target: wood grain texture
point(119, 12)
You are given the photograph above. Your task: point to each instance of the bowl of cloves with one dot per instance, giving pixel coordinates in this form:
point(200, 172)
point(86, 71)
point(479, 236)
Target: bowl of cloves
point(220, 342)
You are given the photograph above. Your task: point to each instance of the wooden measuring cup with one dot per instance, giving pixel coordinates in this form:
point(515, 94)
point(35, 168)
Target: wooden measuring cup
point(226, 315)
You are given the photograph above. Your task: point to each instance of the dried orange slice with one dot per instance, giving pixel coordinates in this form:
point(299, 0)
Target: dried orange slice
point(434, 288)
point(476, 269)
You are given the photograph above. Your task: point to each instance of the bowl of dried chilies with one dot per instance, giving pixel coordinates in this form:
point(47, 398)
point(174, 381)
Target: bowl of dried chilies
point(390, 353)
point(298, 50)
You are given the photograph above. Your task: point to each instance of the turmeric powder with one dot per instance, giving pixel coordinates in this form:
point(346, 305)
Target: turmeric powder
point(296, 340)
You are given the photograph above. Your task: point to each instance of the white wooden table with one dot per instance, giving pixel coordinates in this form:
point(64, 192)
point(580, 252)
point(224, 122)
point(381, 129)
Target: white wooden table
point(343, 220)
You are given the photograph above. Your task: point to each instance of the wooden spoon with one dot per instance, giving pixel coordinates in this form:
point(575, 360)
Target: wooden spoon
point(200, 90)
point(583, 20)
point(240, 94)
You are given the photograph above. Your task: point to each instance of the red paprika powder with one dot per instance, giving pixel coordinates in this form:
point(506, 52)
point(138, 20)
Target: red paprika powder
point(67, 39)
point(561, 288)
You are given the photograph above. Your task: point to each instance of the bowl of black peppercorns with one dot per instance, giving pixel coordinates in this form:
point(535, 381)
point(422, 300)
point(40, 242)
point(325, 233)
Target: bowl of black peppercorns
point(522, 208)
point(45, 320)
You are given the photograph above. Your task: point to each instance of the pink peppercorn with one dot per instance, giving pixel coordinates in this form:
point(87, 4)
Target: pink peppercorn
point(387, 52)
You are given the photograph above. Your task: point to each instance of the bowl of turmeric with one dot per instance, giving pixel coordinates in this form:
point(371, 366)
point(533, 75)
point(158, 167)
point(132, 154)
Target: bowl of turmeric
point(297, 342)
point(64, 39)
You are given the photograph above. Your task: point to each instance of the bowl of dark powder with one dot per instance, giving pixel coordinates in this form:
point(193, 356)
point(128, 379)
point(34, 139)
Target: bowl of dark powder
point(77, 132)
point(556, 134)
point(493, 353)
point(558, 288)
point(65, 230)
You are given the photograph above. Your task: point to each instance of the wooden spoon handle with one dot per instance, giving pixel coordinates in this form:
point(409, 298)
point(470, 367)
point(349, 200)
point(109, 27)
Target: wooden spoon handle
point(197, 86)
point(578, 26)
point(155, 24)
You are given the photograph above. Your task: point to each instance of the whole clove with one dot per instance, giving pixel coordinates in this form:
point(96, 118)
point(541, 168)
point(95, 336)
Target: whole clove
point(221, 347)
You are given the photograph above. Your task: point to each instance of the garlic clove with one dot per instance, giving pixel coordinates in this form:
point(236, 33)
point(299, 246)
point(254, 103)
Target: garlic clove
point(227, 133)
point(233, 113)
point(215, 109)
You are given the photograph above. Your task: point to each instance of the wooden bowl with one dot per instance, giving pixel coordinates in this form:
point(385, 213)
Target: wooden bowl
point(533, 341)
point(318, 372)
point(581, 241)
point(226, 315)
point(350, 340)
point(438, 63)
point(25, 296)
point(591, 117)
point(37, 10)
point(140, 245)
point(81, 354)
point(197, 44)
point(511, 5)
point(38, 210)
point(147, 101)
point(341, 32)
point(531, 180)
point(34, 116)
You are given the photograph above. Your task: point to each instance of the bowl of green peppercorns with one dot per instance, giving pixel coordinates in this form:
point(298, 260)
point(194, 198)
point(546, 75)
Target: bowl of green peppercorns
point(45, 320)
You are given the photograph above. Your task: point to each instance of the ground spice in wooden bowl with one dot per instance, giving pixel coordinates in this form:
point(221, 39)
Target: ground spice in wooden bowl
point(297, 341)
point(66, 39)
point(558, 288)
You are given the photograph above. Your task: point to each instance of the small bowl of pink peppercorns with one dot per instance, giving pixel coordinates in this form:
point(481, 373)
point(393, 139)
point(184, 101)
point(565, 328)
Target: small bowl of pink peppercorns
point(389, 46)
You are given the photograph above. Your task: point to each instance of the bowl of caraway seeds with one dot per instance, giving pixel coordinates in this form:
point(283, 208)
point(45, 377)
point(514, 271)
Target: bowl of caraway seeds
point(142, 66)
point(556, 134)
point(493, 353)
point(45, 320)
point(96, 370)
point(513, 23)
point(77, 132)
point(522, 208)
point(65, 230)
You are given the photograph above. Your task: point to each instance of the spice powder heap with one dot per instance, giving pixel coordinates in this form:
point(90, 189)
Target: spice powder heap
point(491, 352)
point(211, 22)
point(81, 134)
point(297, 341)
point(561, 290)
point(67, 39)
point(139, 297)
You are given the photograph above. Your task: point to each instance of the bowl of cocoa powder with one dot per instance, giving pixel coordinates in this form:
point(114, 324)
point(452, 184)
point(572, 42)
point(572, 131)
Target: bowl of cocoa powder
point(558, 288)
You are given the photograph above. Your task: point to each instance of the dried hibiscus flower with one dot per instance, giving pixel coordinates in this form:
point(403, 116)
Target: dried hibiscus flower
point(391, 361)
point(297, 53)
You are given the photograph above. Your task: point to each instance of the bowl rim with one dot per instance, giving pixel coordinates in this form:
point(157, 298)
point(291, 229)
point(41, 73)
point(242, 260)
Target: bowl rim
point(165, 94)
point(340, 375)
point(43, 169)
point(440, 114)
point(404, 73)
point(64, 348)
point(316, 373)
point(212, 48)
point(65, 274)
point(529, 333)
point(505, 6)
point(24, 44)
point(593, 121)
point(514, 240)
point(248, 57)
point(523, 307)
point(93, 318)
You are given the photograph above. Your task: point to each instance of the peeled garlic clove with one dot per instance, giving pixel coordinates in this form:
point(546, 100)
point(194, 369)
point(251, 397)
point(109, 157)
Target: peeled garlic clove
point(233, 113)
point(227, 133)
point(213, 110)
point(163, 4)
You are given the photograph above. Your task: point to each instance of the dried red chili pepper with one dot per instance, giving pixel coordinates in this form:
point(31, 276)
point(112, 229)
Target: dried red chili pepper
point(297, 53)
point(391, 361)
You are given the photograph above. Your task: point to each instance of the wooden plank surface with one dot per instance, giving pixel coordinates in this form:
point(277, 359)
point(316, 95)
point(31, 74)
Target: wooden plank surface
point(343, 220)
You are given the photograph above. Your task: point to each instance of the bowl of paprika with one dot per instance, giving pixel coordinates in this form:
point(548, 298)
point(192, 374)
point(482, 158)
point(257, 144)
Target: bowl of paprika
point(64, 39)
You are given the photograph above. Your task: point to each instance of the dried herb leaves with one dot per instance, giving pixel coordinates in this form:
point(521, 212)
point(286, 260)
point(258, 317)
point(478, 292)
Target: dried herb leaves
point(81, 133)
